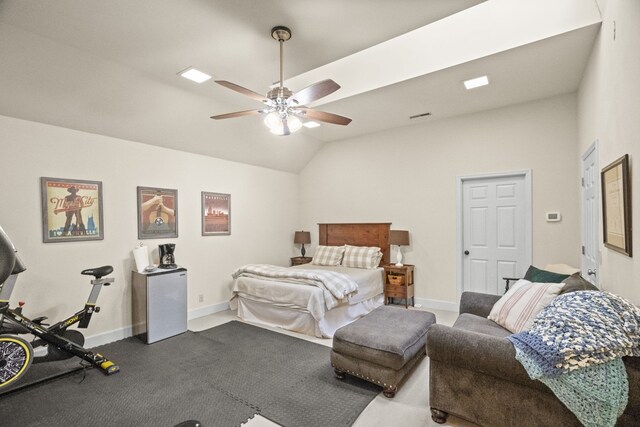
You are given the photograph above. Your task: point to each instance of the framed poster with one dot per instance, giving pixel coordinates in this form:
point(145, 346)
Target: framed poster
point(71, 210)
point(616, 206)
point(216, 214)
point(157, 213)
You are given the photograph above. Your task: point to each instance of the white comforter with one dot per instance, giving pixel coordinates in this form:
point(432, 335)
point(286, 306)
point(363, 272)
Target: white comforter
point(335, 286)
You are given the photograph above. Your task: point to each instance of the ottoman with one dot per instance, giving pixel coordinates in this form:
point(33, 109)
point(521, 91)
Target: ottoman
point(382, 347)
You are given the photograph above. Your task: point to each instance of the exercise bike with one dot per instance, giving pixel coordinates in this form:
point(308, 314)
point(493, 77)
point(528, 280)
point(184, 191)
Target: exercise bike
point(17, 353)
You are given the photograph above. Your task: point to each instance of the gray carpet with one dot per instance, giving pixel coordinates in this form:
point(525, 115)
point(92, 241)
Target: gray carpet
point(221, 376)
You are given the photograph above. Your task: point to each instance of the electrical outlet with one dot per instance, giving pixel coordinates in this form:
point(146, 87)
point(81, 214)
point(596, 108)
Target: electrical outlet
point(200, 298)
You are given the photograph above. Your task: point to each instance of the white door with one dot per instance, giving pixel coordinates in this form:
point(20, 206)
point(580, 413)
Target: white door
point(590, 211)
point(496, 230)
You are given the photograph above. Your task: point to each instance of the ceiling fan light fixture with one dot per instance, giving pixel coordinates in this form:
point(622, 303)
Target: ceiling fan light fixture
point(311, 124)
point(275, 122)
point(194, 75)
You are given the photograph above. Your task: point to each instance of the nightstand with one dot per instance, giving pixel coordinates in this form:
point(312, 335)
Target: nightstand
point(398, 283)
point(299, 260)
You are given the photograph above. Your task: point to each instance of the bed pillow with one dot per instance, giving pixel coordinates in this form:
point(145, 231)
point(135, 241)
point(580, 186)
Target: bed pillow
point(361, 257)
point(576, 282)
point(536, 275)
point(328, 255)
point(517, 308)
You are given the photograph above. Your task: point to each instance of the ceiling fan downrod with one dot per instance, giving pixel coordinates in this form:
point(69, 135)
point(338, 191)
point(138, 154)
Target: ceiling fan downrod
point(281, 34)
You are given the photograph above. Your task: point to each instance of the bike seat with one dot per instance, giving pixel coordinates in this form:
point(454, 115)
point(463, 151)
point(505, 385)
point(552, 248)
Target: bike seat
point(98, 272)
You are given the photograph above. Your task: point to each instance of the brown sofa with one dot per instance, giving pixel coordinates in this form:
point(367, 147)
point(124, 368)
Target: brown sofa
point(473, 374)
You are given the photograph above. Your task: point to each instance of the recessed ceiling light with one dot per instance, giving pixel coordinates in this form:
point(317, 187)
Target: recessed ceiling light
point(194, 75)
point(311, 124)
point(477, 82)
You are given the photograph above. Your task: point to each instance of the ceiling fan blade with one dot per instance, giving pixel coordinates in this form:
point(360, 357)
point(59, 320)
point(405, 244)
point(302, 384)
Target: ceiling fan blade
point(242, 90)
point(237, 114)
point(315, 92)
point(323, 116)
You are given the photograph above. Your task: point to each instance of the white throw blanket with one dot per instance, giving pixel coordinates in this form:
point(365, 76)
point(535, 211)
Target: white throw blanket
point(335, 286)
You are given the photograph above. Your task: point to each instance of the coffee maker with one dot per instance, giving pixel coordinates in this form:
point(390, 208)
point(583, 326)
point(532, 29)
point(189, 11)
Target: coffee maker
point(166, 255)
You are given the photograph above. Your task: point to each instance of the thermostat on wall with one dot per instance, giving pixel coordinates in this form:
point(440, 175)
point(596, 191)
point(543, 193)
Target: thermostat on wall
point(553, 216)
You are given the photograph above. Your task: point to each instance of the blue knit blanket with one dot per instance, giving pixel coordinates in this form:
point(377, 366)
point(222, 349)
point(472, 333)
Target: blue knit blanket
point(575, 347)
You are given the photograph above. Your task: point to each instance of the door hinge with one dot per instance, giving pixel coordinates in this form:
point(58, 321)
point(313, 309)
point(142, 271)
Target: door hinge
point(582, 249)
point(583, 182)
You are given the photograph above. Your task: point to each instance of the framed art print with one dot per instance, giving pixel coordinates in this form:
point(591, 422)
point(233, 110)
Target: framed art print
point(71, 210)
point(157, 213)
point(616, 206)
point(216, 214)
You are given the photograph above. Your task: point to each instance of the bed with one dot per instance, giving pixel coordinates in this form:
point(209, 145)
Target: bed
point(304, 308)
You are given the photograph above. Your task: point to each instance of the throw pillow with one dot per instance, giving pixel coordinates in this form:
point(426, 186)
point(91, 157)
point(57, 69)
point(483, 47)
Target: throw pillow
point(537, 275)
point(517, 308)
point(328, 255)
point(361, 257)
point(576, 282)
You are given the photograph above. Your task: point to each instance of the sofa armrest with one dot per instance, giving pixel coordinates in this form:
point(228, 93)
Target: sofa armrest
point(487, 354)
point(477, 303)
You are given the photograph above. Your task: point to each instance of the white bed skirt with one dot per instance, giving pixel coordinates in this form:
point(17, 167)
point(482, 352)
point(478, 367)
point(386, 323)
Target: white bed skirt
point(300, 320)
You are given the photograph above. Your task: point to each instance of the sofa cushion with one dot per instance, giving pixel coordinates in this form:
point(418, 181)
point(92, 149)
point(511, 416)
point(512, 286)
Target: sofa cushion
point(517, 308)
point(388, 336)
point(537, 275)
point(481, 325)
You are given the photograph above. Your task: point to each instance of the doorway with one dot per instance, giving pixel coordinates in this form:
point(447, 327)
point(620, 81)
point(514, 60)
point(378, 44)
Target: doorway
point(494, 230)
point(590, 213)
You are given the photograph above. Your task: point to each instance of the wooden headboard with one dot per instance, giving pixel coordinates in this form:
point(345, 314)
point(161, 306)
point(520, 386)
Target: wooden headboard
point(357, 234)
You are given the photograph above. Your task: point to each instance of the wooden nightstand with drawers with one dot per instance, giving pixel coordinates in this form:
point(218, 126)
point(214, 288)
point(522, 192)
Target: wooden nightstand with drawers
point(398, 283)
point(299, 260)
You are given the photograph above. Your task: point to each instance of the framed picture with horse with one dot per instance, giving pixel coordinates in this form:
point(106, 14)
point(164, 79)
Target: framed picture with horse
point(157, 213)
point(71, 210)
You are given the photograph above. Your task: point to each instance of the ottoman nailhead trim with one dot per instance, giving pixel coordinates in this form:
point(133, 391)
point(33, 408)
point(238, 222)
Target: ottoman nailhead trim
point(363, 377)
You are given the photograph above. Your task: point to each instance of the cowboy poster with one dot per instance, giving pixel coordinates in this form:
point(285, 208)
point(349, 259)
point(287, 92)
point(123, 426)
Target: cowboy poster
point(71, 210)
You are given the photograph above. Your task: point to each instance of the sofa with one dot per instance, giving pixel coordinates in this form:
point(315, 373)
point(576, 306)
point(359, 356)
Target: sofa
point(474, 375)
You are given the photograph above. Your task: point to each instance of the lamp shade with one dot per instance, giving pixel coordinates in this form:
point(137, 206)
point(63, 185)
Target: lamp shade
point(399, 237)
point(303, 237)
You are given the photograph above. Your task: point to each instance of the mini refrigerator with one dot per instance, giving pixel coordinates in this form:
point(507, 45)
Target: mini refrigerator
point(159, 304)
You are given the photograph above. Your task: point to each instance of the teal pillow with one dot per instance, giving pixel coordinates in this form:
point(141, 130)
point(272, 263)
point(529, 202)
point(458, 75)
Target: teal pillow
point(537, 275)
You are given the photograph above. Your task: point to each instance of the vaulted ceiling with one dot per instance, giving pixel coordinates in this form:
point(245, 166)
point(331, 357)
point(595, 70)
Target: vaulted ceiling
point(111, 67)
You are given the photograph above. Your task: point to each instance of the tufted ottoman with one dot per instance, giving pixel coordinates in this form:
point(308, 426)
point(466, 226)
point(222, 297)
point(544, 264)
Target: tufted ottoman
point(382, 347)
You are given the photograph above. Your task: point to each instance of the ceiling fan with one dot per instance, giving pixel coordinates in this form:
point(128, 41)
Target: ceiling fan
point(283, 108)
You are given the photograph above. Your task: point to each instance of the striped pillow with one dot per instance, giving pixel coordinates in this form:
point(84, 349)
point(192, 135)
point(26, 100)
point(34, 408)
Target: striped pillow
point(328, 255)
point(517, 308)
point(361, 257)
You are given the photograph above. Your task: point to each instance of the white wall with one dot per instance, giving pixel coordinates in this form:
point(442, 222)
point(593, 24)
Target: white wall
point(264, 214)
point(408, 176)
point(608, 110)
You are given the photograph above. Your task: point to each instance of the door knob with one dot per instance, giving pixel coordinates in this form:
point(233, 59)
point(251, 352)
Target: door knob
point(591, 272)
point(466, 252)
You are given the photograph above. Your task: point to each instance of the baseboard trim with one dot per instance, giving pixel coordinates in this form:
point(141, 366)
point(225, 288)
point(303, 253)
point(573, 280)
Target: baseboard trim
point(207, 310)
point(107, 337)
point(435, 304)
point(127, 331)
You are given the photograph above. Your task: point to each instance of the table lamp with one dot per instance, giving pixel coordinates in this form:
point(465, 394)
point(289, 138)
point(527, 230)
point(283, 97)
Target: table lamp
point(399, 238)
point(302, 237)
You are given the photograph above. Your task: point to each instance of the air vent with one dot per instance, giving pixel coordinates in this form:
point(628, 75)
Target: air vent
point(419, 115)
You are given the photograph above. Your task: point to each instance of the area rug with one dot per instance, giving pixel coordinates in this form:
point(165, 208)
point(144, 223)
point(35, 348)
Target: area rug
point(221, 376)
